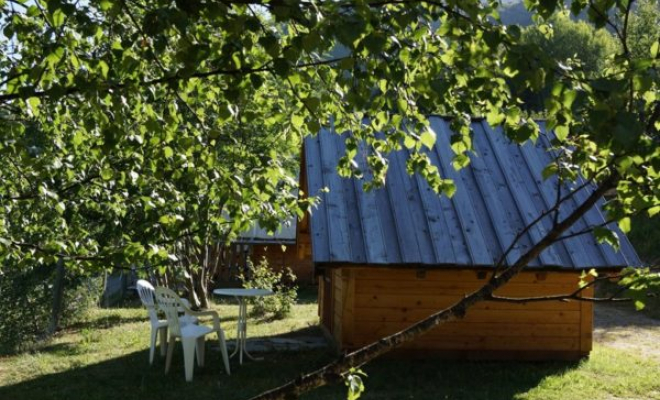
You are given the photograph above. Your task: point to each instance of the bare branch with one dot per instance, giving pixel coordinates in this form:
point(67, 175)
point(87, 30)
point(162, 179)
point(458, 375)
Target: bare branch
point(560, 297)
point(602, 224)
point(554, 209)
point(575, 295)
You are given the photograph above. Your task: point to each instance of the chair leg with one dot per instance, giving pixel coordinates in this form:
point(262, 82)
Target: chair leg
point(223, 349)
point(189, 345)
point(170, 350)
point(201, 347)
point(152, 347)
point(163, 341)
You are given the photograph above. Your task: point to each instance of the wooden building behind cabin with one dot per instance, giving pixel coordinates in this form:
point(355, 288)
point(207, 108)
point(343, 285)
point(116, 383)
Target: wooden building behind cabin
point(390, 257)
point(289, 247)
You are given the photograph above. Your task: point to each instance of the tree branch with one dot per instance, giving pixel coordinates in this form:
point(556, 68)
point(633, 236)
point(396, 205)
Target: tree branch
point(554, 209)
point(575, 295)
point(77, 257)
point(110, 86)
point(60, 192)
point(334, 371)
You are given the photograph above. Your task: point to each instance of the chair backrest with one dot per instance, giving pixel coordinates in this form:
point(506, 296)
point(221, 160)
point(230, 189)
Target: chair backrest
point(169, 302)
point(146, 292)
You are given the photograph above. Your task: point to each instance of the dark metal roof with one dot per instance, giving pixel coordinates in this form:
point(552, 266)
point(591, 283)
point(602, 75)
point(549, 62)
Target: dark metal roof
point(406, 223)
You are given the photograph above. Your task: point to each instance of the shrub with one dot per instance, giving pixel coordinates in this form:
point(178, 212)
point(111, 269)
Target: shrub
point(281, 282)
point(27, 301)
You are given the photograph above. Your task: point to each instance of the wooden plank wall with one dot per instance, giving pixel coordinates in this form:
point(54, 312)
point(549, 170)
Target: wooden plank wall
point(337, 307)
point(281, 256)
point(298, 257)
point(370, 303)
point(343, 303)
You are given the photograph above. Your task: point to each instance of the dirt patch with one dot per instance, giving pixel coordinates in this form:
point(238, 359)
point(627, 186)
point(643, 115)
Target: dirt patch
point(621, 327)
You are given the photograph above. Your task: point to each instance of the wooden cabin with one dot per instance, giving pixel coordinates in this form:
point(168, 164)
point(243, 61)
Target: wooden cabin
point(390, 257)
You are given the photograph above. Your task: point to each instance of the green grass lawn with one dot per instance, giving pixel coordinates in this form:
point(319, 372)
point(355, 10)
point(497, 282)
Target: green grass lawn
point(107, 358)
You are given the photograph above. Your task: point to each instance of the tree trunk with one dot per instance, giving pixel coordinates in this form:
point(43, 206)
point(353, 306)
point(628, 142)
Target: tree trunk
point(201, 290)
point(58, 295)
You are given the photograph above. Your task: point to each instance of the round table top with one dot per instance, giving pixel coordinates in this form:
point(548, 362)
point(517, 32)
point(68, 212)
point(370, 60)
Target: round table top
point(239, 292)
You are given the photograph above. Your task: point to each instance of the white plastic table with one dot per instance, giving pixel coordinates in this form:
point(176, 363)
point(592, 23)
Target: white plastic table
point(241, 328)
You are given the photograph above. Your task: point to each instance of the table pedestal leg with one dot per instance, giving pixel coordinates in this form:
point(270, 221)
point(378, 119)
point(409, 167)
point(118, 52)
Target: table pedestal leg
point(241, 333)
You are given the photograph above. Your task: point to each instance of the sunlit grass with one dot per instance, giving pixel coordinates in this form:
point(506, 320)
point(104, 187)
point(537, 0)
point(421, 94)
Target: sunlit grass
point(106, 358)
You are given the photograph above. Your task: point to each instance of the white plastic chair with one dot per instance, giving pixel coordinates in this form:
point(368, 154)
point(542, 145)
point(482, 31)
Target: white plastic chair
point(146, 292)
point(192, 336)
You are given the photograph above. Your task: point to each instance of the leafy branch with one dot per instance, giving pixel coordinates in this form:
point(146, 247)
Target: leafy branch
point(106, 87)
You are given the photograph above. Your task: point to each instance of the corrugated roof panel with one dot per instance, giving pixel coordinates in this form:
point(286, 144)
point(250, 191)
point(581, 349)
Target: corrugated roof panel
point(535, 158)
point(494, 176)
point(469, 228)
point(353, 220)
point(318, 220)
point(407, 223)
point(336, 201)
point(494, 205)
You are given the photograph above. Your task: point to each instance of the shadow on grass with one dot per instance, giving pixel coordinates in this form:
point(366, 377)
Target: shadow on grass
point(623, 315)
point(311, 331)
point(651, 309)
point(130, 377)
point(395, 378)
point(307, 295)
point(105, 322)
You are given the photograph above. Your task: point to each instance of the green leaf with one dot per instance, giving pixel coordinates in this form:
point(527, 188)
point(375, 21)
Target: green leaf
point(402, 105)
point(604, 235)
point(428, 138)
point(168, 152)
point(169, 219)
point(655, 49)
point(297, 120)
point(106, 5)
point(568, 97)
point(34, 103)
point(448, 187)
point(281, 67)
point(312, 103)
point(561, 131)
point(104, 68)
point(58, 18)
point(550, 170)
point(495, 117)
point(106, 174)
point(460, 161)
point(624, 224)
point(409, 142)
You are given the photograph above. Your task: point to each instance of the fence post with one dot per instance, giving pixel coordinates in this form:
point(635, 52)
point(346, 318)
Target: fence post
point(58, 294)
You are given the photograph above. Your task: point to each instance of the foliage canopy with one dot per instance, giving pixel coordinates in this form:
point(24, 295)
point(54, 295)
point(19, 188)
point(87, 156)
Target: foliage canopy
point(127, 125)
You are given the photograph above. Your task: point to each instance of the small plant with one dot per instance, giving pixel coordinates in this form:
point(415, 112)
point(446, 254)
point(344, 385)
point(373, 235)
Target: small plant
point(354, 383)
point(281, 282)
